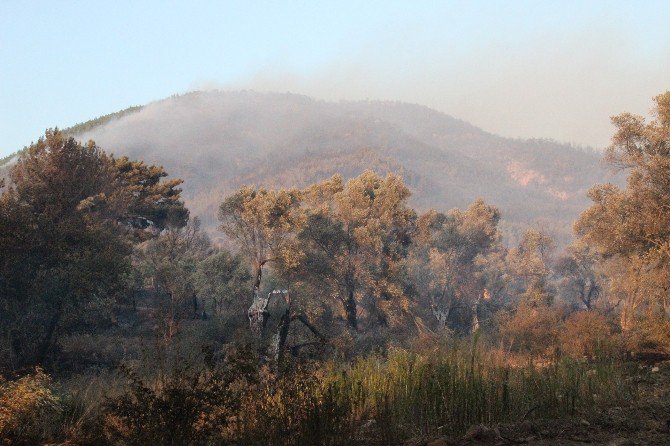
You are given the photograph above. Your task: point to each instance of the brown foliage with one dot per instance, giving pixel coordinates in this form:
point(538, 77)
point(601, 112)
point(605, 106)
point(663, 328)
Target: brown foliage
point(29, 410)
point(587, 334)
point(531, 329)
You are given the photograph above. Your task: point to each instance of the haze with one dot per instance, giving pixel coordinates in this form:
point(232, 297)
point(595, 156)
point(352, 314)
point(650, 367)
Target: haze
point(518, 69)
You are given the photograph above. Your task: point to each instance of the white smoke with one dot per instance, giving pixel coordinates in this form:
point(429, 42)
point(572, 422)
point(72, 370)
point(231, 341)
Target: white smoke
point(563, 87)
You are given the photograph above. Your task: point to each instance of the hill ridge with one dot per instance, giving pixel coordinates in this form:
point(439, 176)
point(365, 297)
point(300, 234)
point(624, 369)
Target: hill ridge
point(218, 140)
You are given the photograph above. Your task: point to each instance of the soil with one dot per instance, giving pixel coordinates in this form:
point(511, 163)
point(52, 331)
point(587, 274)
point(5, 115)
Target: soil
point(642, 419)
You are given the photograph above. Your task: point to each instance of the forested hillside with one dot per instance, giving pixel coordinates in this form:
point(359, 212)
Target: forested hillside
point(217, 141)
point(338, 312)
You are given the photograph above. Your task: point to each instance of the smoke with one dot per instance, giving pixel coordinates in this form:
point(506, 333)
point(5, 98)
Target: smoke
point(563, 87)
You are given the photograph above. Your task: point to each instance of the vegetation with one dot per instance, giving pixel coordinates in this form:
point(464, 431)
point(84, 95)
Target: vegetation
point(67, 222)
point(83, 127)
point(629, 227)
point(5, 159)
point(219, 140)
point(332, 314)
point(373, 400)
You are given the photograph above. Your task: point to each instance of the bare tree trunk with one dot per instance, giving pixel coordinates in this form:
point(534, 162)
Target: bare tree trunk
point(257, 311)
point(351, 310)
point(257, 281)
point(284, 326)
point(50, 334)
point(588, 294)
point(302, 318)
point(282, 334)
point(665, 302)
point(441, 315)
point(630, 305)
point(475, 315)
point(590, 297)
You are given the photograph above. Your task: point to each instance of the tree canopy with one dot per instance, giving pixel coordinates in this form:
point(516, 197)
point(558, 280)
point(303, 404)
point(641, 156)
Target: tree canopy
point(630, 227)
point(68, 219)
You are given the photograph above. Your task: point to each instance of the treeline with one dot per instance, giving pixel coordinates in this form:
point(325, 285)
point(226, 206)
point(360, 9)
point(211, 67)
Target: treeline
point(84, 231)
point(82, 127)
point(104, 275)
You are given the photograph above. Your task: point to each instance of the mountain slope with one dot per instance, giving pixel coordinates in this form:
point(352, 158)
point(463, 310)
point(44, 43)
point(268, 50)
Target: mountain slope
point(217, 141)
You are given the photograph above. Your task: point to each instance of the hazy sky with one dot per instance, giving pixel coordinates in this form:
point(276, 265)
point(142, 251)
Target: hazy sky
point(529, 69)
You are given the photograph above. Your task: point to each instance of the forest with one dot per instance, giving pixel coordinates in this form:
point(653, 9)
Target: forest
point(331, 314)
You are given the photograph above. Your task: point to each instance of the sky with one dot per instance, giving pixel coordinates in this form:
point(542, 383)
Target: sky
point(537, 69)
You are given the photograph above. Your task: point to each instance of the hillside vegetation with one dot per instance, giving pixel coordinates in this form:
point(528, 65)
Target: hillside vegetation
point(81, 128)
point(218, 141)
point(337, 312)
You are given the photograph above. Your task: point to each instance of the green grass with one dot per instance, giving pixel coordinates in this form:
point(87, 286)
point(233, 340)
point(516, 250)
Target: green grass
point(387, 400)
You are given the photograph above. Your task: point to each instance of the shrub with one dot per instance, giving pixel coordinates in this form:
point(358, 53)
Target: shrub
point(380, 399)
point(30, 411)
point(650, 333)
point(189, 405)
point(532, 329)
point(587, 334)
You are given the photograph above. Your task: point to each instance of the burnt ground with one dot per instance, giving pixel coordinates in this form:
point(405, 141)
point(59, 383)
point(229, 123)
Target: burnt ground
point(642, 419)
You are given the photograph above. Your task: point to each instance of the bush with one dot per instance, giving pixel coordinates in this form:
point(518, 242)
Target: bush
point(532, 330)
point(375, 400)
point(191, 404)
point(650, 333)
point(30, 412)
point(587, 334)
point(83, 397)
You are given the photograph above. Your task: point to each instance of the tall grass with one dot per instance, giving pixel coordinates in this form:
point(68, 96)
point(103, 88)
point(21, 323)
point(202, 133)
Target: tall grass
point(407, 395)
point(374, 400)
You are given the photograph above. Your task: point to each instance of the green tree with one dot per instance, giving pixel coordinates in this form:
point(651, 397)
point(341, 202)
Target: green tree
point(450, 266)
point(530, 267)
point(223, 278)
point(149, 201)
point(65, 237)
point(580, 276)
point(171, 261)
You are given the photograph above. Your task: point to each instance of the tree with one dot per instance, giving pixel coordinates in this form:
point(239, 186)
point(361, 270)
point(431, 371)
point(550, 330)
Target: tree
point(223, 278)
point(171, 262)
point(630, 227)
point(65, 236)
point(263, 223)
point(355, 240)
point(450, 261)
point(580, 278)
point(529, 265)
point(149, 201)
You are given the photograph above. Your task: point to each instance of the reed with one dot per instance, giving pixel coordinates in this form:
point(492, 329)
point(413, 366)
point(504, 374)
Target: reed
point(385, 400)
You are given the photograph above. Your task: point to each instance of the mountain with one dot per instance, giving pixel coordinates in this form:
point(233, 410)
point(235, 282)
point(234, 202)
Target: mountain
point(217, 141)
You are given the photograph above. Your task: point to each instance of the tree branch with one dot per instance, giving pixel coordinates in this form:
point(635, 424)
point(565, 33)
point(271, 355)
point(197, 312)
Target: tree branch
point(302, 318)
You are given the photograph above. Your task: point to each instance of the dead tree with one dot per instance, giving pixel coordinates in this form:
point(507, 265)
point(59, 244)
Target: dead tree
point(259, 315)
